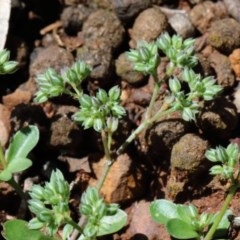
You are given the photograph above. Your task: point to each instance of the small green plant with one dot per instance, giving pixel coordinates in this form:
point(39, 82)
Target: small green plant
point(15, 158)
point(229, 170)
point(6, 66)
point(52, 84)
point(102, 112)
point(185, 222)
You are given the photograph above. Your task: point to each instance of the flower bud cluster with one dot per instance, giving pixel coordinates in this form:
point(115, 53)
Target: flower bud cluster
point(101, 111)
point(228, 157)
point(52, 84)
point(180, 52)
point(50, 204)
point(145, 57)
point(94, 208)
point(199, 88)
point(6, 66)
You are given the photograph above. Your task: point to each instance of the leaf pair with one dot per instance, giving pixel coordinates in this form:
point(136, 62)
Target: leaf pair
point(16, 155)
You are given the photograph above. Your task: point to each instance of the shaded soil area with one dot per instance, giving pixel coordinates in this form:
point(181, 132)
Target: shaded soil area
point(166, 161)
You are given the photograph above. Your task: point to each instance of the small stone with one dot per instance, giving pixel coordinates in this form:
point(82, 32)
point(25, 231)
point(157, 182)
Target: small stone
point(50, 57)
point(105, 26)
point(17, 97)
point(99, 56)
point(141, 225)
point(204, 13)
point(163, 135)
point(73, 17)
point(218, 119)
point(124, 69)
point(224, 35)
point(188, 162)
point(234, 58)
point(148, 26)
point(222, 66)
point(182, 25)
point(65, 135)
point(128, 9)
point(124, 181)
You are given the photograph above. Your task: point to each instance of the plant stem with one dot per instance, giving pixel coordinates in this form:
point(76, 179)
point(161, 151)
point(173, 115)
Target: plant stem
point(75, 225)
point(154, 95)
point(219, 217)
point(144, 125)
point(108, 162)
point(18, 189)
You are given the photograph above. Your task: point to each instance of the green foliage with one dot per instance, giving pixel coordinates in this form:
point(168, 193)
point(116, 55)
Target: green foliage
point(16, 155)
point(181, 55)
point(50, 204)
point(184, 221)
point(180, 52)
point(18, 230)
point(188, 103)
point(100, 112)
point(145, 57)
point(6, 66)
point(228, 158)
point(69, 82)
point(102, 218)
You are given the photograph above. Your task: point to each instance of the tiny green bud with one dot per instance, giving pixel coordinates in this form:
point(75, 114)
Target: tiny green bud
point(112, 208)
point(174, 85)
point(90, 196)
point(4, 56)
point(114, 93)
point(112, 124)
point(37, 192)
point(90, 231)
point(45, 215)
point(85, 101)
point(9, 67)
point(36, 206)
point(35, 224)
point(118, 110)
point(102, 95)
point(98, 124)
point(86, 209)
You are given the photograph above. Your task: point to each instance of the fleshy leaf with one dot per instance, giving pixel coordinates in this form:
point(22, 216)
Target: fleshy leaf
point(112, 224)
point(180, 229)
point(22, 143)
point(163, 210)
point(18, 165)
point(18, 230)
point(5, 175)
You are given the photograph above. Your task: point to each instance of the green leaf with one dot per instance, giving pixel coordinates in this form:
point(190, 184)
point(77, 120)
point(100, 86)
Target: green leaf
point(18, 230)
point(113, 223)
point(5, 175)
point(187, 212)
point(19, 164)
point(163, 210)
point(22, 143)
point(180, 229)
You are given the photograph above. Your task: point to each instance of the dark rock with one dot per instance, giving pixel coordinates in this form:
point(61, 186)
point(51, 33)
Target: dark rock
point(148, 26)
point(103, 25)
point(224, 35)
point(188, 163)
point(218, 119)
point(204, 13)
point(124, 69)
point(73, 17)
